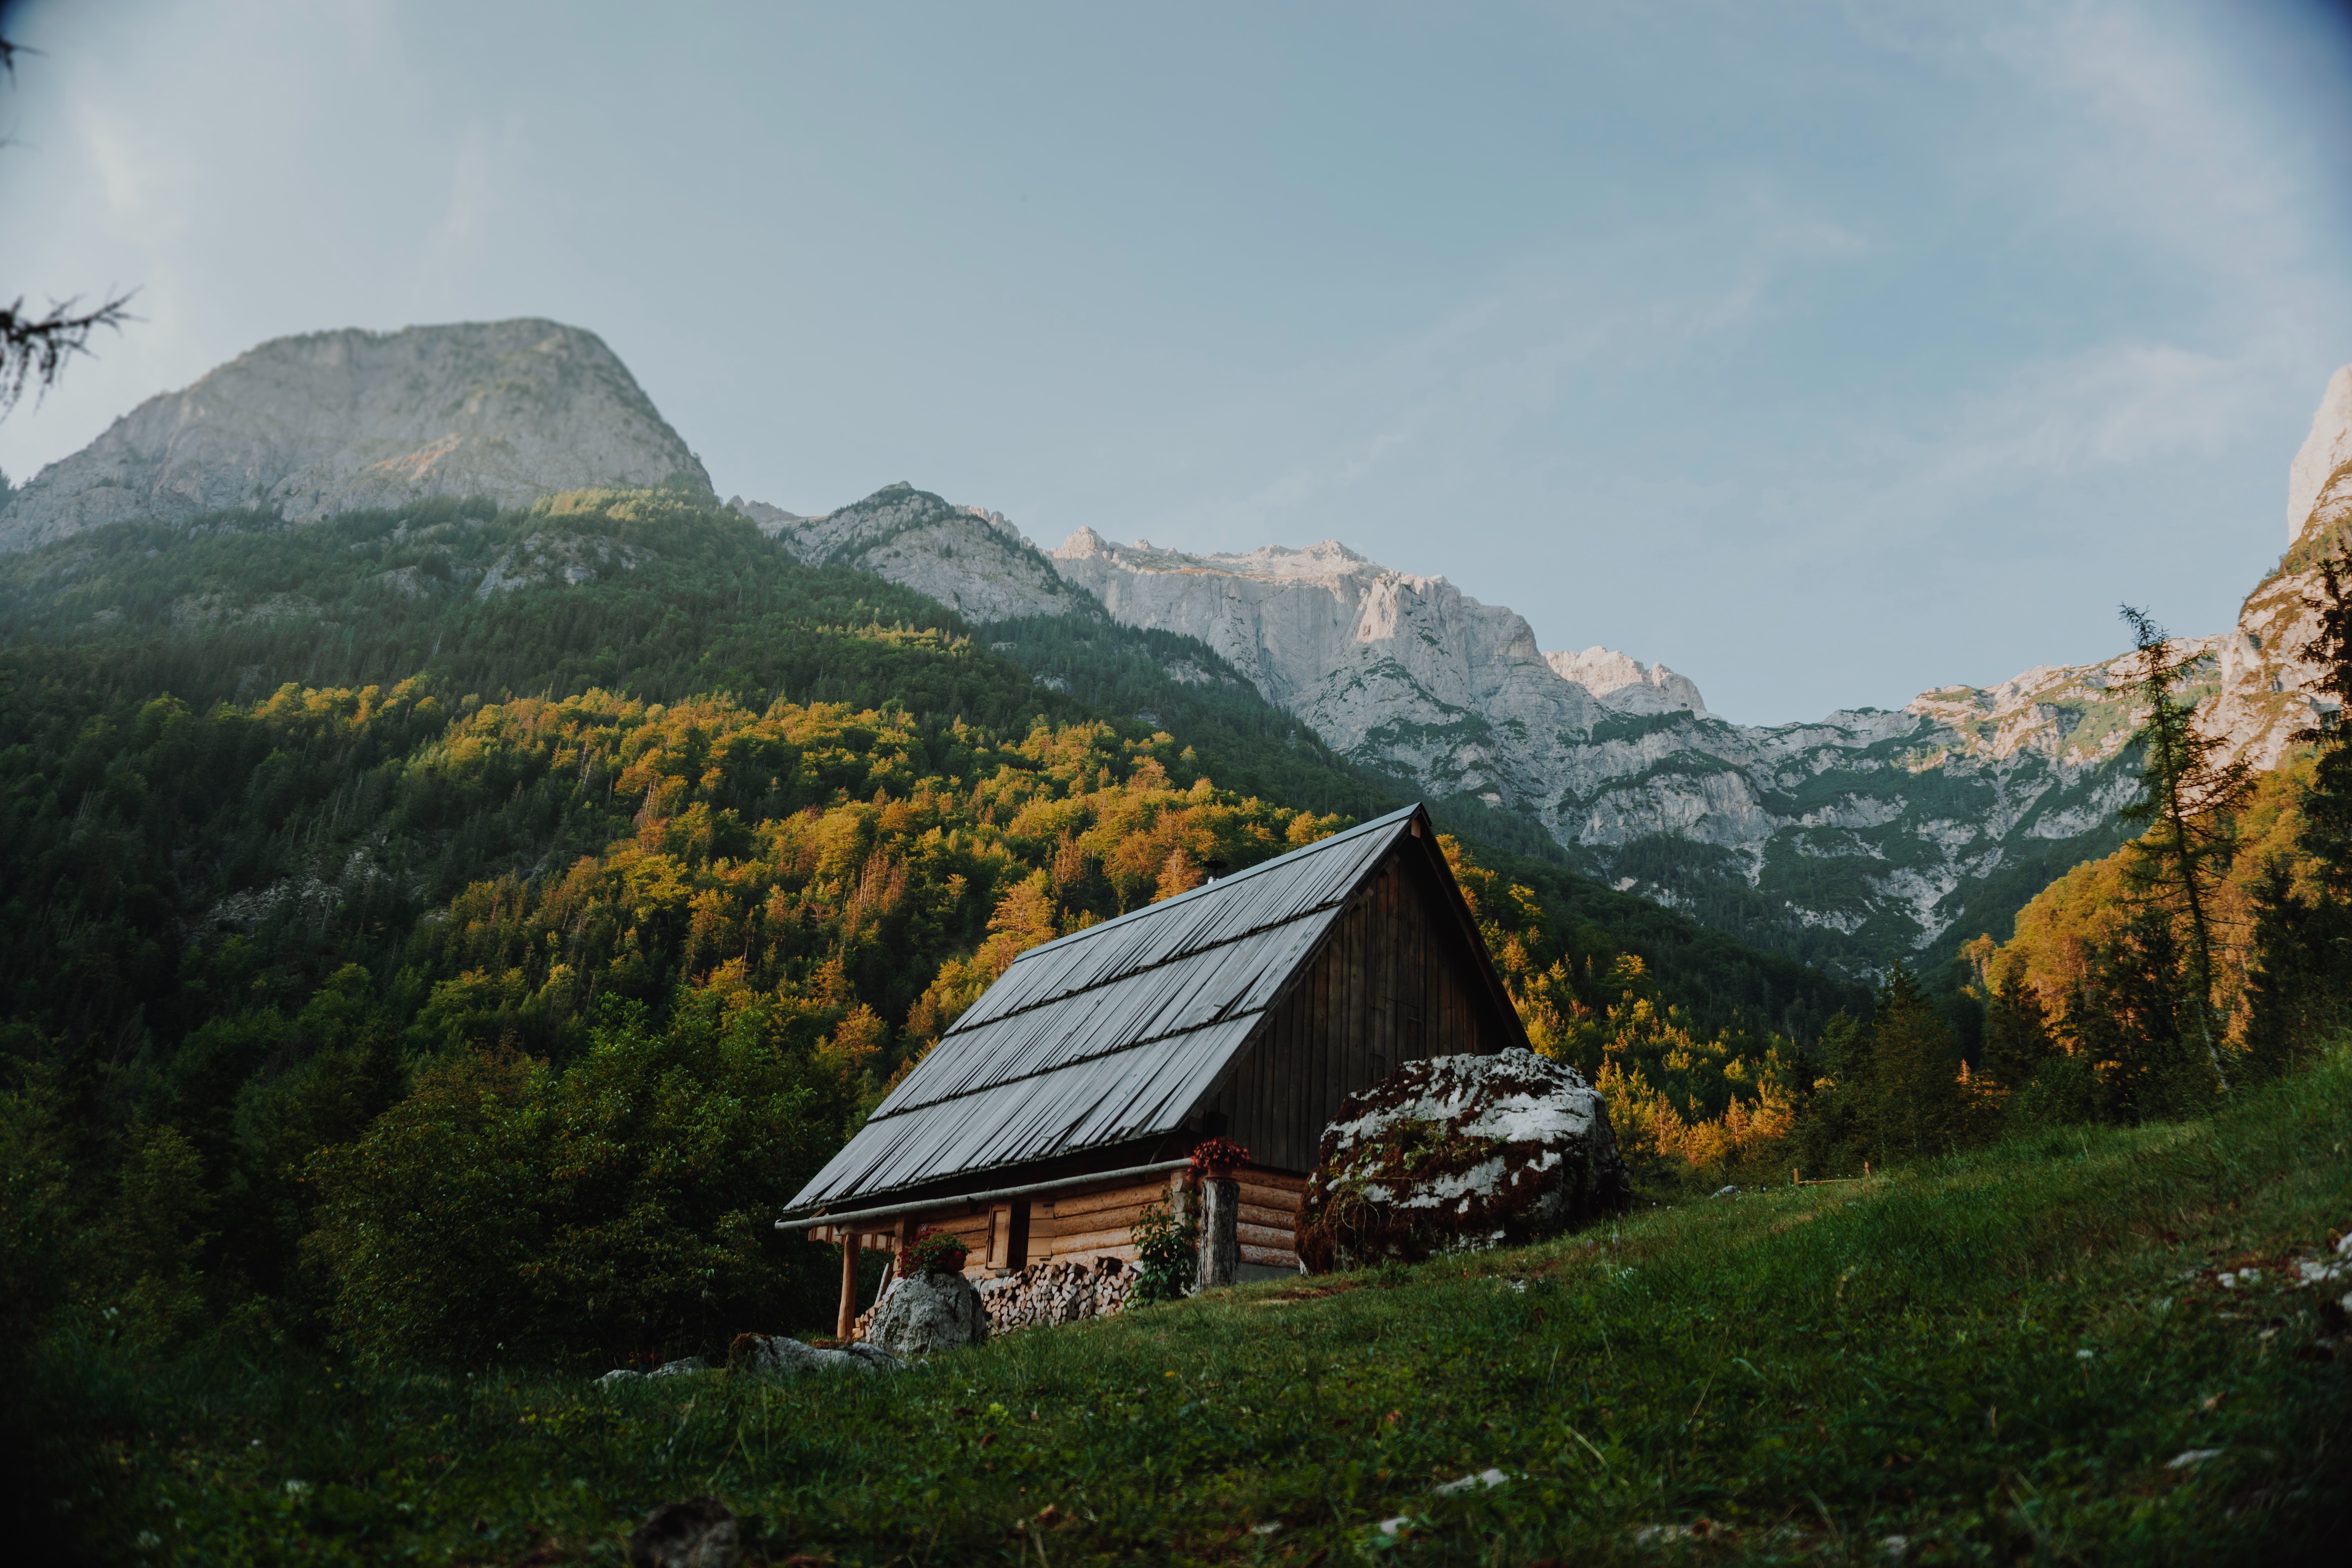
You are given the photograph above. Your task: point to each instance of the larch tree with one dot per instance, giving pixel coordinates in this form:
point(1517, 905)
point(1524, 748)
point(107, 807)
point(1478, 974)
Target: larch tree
point(2189, 797)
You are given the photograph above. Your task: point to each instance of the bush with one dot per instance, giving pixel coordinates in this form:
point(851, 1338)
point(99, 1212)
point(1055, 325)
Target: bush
point(1167, 1254)
point(509, 1210)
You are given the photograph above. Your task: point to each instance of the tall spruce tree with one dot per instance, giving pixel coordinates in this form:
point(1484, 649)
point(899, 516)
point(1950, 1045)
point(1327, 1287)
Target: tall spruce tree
point(2017, 1033)
point(2187, 809)
point(1914, 1105)
point(2133, 1019)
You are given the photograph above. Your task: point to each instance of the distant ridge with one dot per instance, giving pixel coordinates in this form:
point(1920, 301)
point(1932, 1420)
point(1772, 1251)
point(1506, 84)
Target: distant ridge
point(331, 422)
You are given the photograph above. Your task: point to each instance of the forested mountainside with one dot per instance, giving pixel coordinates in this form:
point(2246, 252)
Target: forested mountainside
point(1863, 839)
point(1853, 843)
point(302, 819)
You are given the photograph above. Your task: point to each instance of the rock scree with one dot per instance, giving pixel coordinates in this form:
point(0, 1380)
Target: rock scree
point(924, 1312)
point(1454, 1154)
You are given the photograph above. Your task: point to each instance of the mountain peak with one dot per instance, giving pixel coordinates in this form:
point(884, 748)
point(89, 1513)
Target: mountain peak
point(335, 421)
point(1627, 684)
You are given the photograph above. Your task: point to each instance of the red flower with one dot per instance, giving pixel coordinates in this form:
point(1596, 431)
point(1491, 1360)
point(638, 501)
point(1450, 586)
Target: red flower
point(1218, 1154)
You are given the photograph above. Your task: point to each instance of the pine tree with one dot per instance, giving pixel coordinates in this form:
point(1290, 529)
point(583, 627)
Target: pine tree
point(2017, 1034)
point(1915, 1106)
point(2189, 799)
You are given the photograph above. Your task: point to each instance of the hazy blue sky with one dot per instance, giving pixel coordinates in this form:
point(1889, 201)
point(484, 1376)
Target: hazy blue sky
point(1826, 352)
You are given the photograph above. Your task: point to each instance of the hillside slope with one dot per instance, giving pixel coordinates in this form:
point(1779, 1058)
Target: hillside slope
point(2085, 1347)
point(313, 794)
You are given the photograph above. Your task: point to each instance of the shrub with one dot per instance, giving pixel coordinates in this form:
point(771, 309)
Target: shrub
point(510, 1210)
point(1167, 1254)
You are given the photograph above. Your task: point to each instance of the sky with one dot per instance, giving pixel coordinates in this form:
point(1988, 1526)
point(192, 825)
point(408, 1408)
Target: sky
point(1826, 352)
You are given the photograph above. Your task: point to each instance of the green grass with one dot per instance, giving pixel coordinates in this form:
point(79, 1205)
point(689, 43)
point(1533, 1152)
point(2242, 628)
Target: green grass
point(1994, 1357)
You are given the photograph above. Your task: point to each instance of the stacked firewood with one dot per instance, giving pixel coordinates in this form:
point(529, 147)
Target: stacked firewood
point(1056, 1293)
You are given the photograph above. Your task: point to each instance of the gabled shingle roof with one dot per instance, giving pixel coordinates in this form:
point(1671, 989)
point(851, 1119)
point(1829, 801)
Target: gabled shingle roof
point(1110, 1035)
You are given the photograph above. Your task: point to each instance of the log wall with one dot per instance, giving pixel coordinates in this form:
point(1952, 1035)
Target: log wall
point(1396, 981)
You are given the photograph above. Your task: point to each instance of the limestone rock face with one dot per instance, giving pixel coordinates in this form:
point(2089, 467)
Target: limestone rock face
point(2270, 691)
point(2319, 472)
point(967, 558)
point(308, 426)
point(1454, 1154)
point(924, 1312)
point(1627, 685)
point(1915, 813)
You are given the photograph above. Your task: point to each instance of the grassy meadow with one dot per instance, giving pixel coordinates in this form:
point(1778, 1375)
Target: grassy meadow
point(1997, 1357)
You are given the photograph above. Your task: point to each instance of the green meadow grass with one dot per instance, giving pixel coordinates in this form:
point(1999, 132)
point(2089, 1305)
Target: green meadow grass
point(1993, 1357)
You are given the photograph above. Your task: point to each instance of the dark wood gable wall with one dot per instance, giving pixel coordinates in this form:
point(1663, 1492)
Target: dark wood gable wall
point(1395, 982)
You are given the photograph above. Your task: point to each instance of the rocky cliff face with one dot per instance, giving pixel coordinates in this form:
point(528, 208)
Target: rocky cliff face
point(2318, 480)
point(1627, 685)
point(2269, 692)
point(336, 421)
point(966, 557)
point(1883, 829)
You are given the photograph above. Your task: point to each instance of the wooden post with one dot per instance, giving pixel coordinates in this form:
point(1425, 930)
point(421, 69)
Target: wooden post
point(848, 1285)
point(1220, 1248)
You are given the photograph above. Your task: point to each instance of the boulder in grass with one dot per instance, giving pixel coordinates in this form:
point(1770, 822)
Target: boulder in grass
point(1451, 1153)
point(780, 1356)
point(699, 1532)
point(924, 1312)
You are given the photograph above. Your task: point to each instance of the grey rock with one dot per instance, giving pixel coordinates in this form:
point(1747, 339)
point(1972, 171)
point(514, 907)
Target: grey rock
point(2320, 464)
point(780, 1356)
point(699, 1532)
point(967, 558)
point(308, 426)
point(619, 1376)
point(1410, 676)
point(1458, 1152)
point(1730, 1192)
point(682, 1367)
point(924, 1312)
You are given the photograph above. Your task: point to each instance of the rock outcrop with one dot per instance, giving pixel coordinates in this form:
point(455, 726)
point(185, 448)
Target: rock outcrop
point(2270, 692)
point(1454, 1154)
point(1627, 685)
point(329, 422)
point(778, 1355)
point(1878, 832)
point(2321, 477)
point(966, 557)
point(921, 1314)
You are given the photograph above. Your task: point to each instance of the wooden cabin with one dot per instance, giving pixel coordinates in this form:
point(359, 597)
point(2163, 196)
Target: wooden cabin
point(1070, 1096)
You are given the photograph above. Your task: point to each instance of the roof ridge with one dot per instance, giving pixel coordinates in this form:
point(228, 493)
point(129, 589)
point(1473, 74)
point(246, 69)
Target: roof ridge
point(1216, 884)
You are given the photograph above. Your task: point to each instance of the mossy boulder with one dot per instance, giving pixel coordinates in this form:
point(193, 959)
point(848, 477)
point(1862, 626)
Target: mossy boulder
point(1454, 1154)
